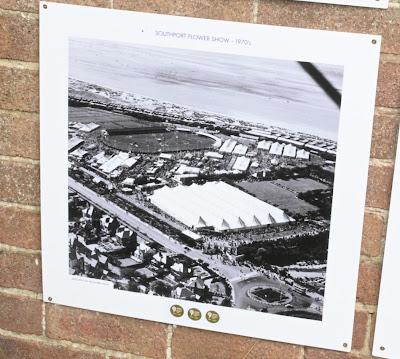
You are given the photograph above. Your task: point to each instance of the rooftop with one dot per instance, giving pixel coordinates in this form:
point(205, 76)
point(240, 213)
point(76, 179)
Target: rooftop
point(218, 205)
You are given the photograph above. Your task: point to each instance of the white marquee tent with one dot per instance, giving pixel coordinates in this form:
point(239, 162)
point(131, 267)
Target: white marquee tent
point(218, 205)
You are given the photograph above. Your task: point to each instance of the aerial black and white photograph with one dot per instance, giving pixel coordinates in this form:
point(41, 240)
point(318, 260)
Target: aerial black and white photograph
point(202, 176)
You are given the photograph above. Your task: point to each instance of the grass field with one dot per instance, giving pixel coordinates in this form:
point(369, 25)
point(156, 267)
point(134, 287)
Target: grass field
point(106, 119)
point(160, 142)
point(148, 143)
point(300, 185)
point(278, 196)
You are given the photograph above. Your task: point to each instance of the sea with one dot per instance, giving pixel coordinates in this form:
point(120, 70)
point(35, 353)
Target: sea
point(268, 91)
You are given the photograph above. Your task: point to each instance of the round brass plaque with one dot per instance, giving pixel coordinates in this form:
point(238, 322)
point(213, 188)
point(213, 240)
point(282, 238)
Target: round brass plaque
point(212, 317)
point(194, 314)
point(176, 310)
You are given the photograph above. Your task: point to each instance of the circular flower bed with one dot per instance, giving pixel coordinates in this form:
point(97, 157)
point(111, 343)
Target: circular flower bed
point(269, 295)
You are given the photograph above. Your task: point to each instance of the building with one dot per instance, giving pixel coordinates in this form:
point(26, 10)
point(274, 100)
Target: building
point(251, 138)
point(316, 148)
point(291, 141)
point(124, 266)
point(129, 182)
point(240, 149)
point(80, 154)
point(163, 257)
point(74, 143)
point(303, 154)
point(228, 146)
point(183, 293)
point(130, 162)
point(290, 151)
point(185, 177)
point(145, 273)
point(141, 250)
point(218, 206)
point(123, 232)
point(181, 267)
point(276, 149)
point(99, 159)
point(114, 162)
point(85, 127)
point(184, 169)
point(166, 156)
point(214, 155)
point(242, 163)
point(264, 145)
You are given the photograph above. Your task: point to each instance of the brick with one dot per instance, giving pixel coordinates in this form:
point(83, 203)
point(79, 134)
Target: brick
point(20, 37)
point(24, 349)
point(19, 89)
point(21, 5)
point(266, 349)
point(96, 3)
point(20, 270)
point(19, 182)
point(360, 329)
point(188, 343)
point(384, 136)
point(234, 10)
point(131, 335)
point(33, 5)
point(373, 232)
point(20, 314)
point(20, 227)
point(313, 353)
point(388, 90)
point(379, 186)
point(19, 135)
point(337, 18)
point(368, 283)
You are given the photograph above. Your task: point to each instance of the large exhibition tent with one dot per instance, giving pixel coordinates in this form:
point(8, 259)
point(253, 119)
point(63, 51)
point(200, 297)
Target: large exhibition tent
point(303, 154)
point(276, 148)
point(228, 146)
point(218, 205)
point(264, 145)
point(240, 149)
point(114, 162)
point(290, 151)
point(242, 163)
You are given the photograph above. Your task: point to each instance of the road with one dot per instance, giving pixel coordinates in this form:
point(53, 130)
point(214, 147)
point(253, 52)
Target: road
point(300, 302)
point(153, 234)
point(134, 201)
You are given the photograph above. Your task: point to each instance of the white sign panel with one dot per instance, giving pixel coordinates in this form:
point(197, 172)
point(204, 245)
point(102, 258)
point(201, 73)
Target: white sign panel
point(205, 173)
point(381, 4)
point(386, 339)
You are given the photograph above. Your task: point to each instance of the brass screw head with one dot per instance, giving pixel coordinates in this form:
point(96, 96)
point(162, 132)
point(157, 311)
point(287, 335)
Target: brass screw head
point(212, 316)
point(176, 310)
point(194, 314)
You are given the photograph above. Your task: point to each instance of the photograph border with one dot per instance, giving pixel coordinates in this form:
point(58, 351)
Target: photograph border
point(358, 53)
point(386, 338)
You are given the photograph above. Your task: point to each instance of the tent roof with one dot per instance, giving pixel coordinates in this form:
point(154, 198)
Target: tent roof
point(216, 204)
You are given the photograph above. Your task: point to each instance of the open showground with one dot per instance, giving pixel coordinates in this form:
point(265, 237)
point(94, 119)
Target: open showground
point(159, 142)
point(280, 197)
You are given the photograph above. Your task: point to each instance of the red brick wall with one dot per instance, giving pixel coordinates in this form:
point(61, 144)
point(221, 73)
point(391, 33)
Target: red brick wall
point(31, 329)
